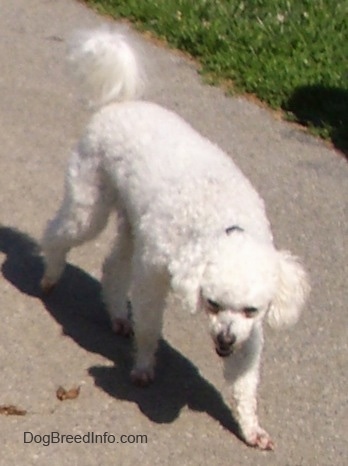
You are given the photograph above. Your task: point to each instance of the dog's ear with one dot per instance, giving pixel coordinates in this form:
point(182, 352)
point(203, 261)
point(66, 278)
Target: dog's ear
point(186, 274)
point(291, 294)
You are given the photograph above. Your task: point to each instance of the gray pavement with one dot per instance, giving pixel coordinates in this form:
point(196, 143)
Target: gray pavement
point(65, 340)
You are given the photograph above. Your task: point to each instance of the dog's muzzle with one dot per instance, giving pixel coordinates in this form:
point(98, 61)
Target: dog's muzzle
point(224, 344)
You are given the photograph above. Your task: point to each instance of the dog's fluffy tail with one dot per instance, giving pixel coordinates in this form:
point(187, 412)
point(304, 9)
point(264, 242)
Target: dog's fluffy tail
point(106, 67)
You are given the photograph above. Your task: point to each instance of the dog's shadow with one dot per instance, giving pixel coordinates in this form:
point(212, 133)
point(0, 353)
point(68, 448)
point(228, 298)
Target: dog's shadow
point(76, 305)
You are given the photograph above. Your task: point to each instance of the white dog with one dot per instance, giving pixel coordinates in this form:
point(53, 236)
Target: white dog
point(187, 221)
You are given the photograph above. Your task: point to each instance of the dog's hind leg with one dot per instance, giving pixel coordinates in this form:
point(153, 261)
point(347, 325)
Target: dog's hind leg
point(116, 278)
point(149, 292)
point(82, 215)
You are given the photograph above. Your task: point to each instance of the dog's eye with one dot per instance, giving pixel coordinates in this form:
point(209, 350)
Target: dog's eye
point(214, 306)
point(250, 311)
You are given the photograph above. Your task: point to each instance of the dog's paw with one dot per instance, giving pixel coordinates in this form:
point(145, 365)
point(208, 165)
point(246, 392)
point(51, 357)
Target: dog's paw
point(122, 327)
point(259, 439)
point(47, 285)
point(142, 377)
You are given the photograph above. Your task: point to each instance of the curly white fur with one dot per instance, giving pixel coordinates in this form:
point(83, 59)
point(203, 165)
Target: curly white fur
point(106, 67)
point(187, 220)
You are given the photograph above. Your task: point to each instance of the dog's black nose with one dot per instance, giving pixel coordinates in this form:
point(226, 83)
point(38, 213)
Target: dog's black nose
point(224, 344)
point(225, 341)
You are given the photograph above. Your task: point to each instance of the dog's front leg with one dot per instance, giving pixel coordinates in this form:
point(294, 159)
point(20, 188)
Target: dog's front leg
point(242, 371)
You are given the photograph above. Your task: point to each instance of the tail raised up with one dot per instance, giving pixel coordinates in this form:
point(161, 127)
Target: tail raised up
point(106, 67)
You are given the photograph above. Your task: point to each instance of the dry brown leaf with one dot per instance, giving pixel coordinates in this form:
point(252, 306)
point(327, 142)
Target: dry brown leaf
point(71, 394)
point(11, 410)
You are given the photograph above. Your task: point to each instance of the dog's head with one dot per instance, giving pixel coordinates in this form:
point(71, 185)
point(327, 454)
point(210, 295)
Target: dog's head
point(238, 282)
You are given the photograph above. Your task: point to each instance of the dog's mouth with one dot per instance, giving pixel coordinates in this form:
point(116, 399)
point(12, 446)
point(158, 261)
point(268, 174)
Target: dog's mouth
point(223, 352)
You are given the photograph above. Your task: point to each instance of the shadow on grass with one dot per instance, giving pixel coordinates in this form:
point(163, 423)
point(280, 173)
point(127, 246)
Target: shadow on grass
point(323, 108)
point(75, 304)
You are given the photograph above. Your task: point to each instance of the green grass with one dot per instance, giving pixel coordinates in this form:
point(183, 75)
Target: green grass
point(291, 54)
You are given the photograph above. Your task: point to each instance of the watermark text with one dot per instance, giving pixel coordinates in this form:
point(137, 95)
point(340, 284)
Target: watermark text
point(89, 437)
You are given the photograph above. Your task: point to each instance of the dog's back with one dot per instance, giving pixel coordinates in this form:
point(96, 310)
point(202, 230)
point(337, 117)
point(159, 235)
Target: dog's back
point(164, 171)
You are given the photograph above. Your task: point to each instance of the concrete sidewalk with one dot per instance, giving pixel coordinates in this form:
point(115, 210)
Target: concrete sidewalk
point(65, 340)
